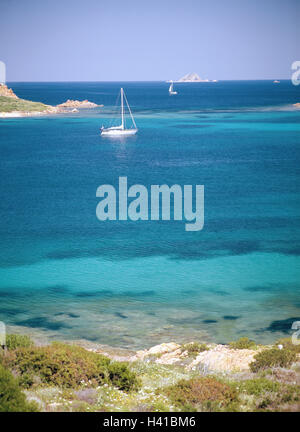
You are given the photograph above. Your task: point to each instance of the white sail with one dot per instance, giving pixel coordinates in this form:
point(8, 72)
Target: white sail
point(121, 129)
point(171, 91)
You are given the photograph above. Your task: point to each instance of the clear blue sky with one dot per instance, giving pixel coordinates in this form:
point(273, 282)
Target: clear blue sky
point(102, 40)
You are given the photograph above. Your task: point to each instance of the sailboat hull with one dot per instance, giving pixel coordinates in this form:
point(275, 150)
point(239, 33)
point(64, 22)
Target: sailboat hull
point(118, 132)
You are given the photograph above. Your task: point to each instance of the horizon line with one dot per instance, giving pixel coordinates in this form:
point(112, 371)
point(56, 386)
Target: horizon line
point(148, 81)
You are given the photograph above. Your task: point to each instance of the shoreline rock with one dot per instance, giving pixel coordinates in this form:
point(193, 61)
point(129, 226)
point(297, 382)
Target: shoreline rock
point(217, 358)
point(7, 92)
point(221, 358)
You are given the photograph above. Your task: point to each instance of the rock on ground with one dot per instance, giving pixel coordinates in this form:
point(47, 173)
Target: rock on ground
point(223, 359)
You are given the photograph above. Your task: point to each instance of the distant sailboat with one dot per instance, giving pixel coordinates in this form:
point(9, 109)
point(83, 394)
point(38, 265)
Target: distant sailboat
point(121, 129)
point(171, 91)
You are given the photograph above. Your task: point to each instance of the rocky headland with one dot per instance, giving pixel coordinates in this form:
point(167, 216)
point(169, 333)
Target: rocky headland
point(12, 106)
point(7, 92)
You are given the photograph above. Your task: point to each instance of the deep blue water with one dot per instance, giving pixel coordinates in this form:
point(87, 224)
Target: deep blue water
point(65, 274)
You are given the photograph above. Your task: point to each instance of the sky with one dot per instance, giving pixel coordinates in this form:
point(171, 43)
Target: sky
point(148, 40)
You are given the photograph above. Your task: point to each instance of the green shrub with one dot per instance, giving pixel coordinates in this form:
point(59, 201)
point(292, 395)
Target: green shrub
point(242, 343)
point(200, 394)
point(270, 395)
point(14, 341)
point(67, 366)
point(259, 386)
point(288, 344)
point(194, 348)
point(28, 380)
point(11, 397)
point(122, 377)
point(273, 357)
point(55, 364)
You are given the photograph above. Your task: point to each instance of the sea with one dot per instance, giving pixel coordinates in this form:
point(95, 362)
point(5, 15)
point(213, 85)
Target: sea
point(66, 275)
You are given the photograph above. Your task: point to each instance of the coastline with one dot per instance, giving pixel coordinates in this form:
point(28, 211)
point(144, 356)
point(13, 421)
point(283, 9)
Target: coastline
point(43, 337)
point(232, 357)
point(54, 110)
point(75, 377)
point(16, 114)
point(29, 108)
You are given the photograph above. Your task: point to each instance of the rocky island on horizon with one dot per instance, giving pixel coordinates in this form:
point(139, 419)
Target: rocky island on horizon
point(193, 77)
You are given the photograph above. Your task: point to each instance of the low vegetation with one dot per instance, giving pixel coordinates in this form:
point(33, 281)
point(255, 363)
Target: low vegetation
point(14, 341)
point(288, 344)
point(201, 394)
point(67, 366)
point(273, 357)
point(194, 348)
point(8, 104)
point(63, 377)
point(267, 395)
point(243, 343)
point(12, 399)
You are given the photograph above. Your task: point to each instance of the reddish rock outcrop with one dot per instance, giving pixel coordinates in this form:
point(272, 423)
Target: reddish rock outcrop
point(78, 104)
point(7, 92)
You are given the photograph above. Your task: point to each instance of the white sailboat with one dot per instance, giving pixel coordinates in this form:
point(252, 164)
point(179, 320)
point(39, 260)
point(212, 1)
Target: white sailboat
point(121, 130)
point(171, 91)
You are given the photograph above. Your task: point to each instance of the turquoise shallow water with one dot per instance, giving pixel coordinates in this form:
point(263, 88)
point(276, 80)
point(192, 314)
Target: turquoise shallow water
point(64, 274)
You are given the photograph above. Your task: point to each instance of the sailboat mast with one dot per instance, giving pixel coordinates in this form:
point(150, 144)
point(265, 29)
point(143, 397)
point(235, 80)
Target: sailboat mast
point(122, 108)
